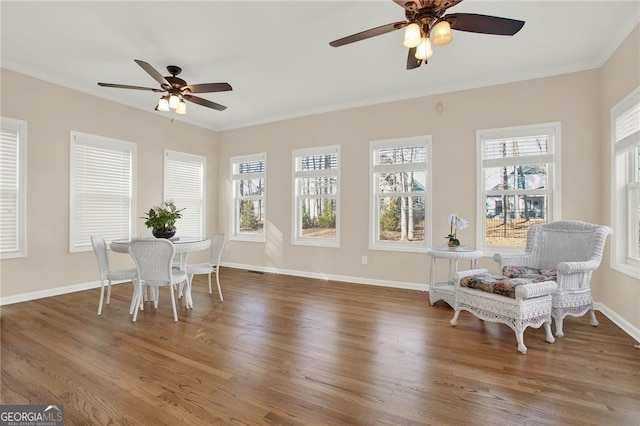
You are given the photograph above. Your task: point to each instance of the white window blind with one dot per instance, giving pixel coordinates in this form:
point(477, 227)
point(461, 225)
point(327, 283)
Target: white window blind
point(102, 189)
point(184, 184)
point(625, 181)
point(12, 188)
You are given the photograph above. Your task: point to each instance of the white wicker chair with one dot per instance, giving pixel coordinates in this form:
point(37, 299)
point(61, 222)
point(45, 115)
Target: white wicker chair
point(574, 249)
point(154, 258)
point(531, 306)
point(217, 245)
point(106, 274)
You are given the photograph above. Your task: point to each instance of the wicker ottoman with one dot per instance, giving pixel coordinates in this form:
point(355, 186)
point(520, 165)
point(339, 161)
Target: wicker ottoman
point(514, 303)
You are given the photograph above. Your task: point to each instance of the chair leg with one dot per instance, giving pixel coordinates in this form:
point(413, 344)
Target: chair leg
point(209, 276)
point(547, 331)
point(134, 298)
point(454, 321)
point(594, 321)
point(173, 303)
point(559, 332)
point(138, 299)
point(101, 297)
point(520, 338)
point(218, 282)
point(109, 292)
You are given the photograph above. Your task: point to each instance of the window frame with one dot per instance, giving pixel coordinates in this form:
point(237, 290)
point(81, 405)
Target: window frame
point(374, 218)
point(20, 127)
point(187, 158)
point(79, 138)
point(625, 190)
point(553, 130)
point(234, 210)
point(296, 211)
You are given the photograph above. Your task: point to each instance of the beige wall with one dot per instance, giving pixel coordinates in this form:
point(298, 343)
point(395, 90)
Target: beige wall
point(580, 101)
point(571, 99)
point(51, 113)
point(618, 77)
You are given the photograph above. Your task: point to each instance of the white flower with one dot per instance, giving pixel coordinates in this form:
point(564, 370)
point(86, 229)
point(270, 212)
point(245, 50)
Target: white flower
point(452, 218)
point(462, 223)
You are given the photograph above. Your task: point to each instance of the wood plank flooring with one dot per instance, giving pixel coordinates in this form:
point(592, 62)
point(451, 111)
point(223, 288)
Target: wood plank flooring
point(284, 350)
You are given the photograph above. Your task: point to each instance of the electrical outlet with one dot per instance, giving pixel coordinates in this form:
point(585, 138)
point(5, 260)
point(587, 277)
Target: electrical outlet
point(364, 260)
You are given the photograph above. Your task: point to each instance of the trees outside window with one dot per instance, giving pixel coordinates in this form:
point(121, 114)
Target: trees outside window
point(517, 183)
point(316, 175)
point(248, 177)
point(401, 190)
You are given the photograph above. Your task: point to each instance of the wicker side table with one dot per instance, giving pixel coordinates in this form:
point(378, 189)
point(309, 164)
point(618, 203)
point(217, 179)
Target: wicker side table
point(444, 290)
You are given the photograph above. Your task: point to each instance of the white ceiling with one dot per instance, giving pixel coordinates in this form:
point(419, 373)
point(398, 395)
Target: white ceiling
point(277, 57)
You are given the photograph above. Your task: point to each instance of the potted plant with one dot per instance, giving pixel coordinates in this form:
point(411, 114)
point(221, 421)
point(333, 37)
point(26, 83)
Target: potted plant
point(162, 219)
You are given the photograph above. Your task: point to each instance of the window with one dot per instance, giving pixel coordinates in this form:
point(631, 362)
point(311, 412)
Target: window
point(316, 210)
point(249, 194)
point(13, 189)
point(625, 191)
point(518, 181)
point(102, 190)
point(401, 188)
point(184, 184)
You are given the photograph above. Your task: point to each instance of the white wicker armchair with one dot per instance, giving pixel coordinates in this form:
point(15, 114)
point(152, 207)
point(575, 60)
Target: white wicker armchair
point(217, 246)
point(106, 273)
point(572, 248)
point(154, 259)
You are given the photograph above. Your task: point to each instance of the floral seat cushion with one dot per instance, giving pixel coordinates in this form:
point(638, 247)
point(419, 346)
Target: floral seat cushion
point(500, 284)
point(528, 272)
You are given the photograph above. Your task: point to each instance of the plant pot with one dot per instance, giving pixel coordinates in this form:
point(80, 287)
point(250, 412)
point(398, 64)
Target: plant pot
point(164, 232)
point(453, 243)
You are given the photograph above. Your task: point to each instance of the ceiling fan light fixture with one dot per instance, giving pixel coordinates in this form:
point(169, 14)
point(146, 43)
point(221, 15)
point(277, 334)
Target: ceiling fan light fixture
point(441, 33)
point(424, 50)
point(174, 101)
point(163, 104)
point(412, 35)
point(182, 107)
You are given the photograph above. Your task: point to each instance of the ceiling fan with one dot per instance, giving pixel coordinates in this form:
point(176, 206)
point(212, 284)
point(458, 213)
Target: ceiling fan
point(425, 18)
point(177, 89)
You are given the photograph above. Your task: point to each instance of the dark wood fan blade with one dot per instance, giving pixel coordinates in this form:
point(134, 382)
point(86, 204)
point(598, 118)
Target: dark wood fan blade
point(412, 61)
point(209, 87)
point(125, 86)
point(483, 24)
point(152, 72)
point(204, 102)
point(383, 29)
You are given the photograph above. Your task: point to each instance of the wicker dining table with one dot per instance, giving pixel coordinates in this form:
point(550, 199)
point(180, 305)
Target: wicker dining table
point(183, 245)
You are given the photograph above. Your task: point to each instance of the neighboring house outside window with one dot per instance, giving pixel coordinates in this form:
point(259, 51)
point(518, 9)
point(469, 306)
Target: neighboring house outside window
point(316, 195)
point(13, 188)
point(399, 204)
point(248, 207)
point(102, 190)
point(625, 181)
point(184, 184)
point(518, 183)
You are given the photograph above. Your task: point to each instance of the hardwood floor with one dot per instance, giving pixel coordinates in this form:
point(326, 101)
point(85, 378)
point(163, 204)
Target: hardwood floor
point(294, 351)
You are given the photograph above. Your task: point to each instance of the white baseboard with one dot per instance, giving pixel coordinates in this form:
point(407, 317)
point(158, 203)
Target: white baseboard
point(625, 325)
point(25, 297)
point(329, 277)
